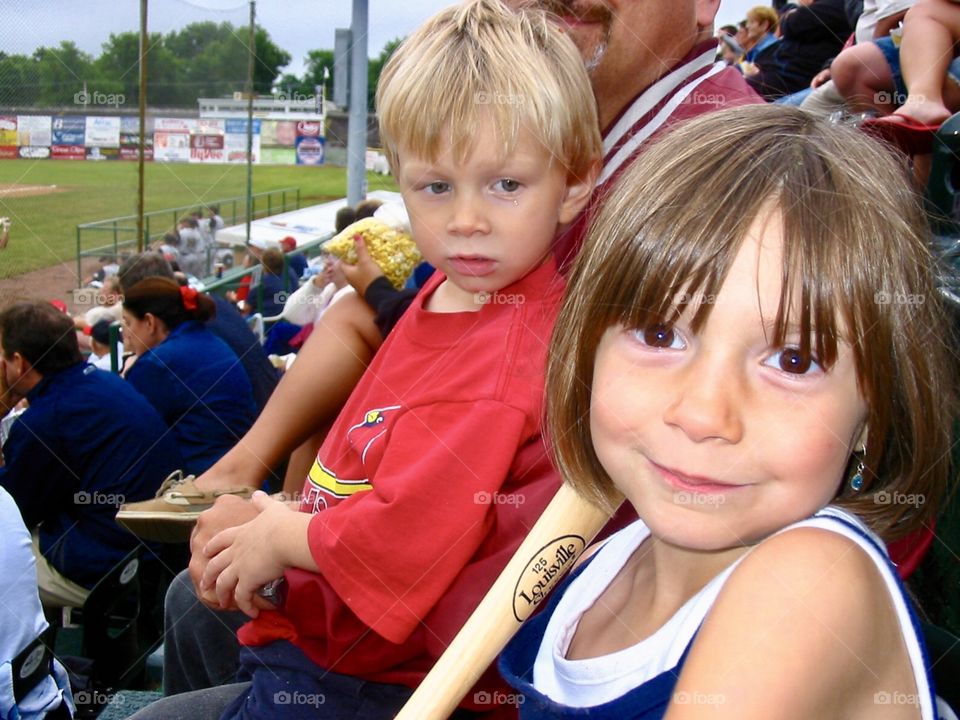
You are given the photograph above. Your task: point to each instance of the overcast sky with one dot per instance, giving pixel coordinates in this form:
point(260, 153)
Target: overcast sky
point(295, 25)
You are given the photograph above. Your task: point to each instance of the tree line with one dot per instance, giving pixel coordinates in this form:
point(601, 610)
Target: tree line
point(204, 59)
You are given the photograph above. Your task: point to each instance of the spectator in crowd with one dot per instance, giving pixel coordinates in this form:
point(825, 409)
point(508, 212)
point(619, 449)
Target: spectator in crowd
point(730, 51)
point(106, 303)
point(21, 623)
point(108, 267)
point(100, 345)
point(867, 75)
point(276, 282)
point(873, 18)
point(191, 377)
point(928, 85)
point(931, 31)
point(367, 208)
point(811, 34)
point(227, 324)
point(345, 216)
point(296, 261)
point(87, 443)
point(761, 41)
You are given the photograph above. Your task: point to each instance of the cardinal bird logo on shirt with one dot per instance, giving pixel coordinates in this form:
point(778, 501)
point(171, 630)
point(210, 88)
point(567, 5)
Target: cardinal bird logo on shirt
point(325, 484)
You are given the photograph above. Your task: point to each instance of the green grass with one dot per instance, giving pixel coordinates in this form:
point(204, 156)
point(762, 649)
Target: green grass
point(44, 227)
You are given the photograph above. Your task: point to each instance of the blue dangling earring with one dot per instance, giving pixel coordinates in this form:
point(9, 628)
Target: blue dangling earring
point(856, 480)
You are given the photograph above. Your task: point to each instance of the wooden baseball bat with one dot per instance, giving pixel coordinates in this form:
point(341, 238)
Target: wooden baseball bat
point(565, 528)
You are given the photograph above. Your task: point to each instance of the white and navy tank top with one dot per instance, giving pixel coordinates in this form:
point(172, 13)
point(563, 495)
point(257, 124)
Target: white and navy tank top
point(637, 683)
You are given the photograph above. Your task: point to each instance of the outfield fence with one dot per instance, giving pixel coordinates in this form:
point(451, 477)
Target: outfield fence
point(117, 236)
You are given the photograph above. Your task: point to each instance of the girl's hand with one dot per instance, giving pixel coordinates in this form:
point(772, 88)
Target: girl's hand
point(246, 557)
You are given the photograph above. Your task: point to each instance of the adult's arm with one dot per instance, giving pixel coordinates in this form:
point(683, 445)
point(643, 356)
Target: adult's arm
point(311, 392)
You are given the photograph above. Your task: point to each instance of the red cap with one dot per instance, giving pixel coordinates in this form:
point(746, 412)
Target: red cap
point(60, 305)
point(289, 243)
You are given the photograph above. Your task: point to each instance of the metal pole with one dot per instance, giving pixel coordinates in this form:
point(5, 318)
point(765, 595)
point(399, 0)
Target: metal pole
point(357, 126)
point(253, 52)
point(143, 122)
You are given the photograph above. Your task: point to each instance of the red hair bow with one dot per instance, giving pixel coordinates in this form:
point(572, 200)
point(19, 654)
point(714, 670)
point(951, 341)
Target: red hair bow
point(189, 297)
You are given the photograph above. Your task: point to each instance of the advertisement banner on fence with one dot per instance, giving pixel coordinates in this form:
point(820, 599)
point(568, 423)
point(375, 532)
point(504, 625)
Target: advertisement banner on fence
point(105, 153)
point(32, 152)
point(235, 140)
point(206, 148)
point(208, 126)
point(8, 130)
point(175, 125)
point(34, 130)
point(235, 148)
point(103, 132)
point(279, 132)
point(309, 151)
point(133, 153)
point(9, 152)
point(68, 152)
point(171, 146)
point(309, 128)
point(278, 156)
point(69, 130)
point(238, 126)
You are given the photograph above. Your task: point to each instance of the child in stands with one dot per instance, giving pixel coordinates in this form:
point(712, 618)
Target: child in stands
point(752, 351)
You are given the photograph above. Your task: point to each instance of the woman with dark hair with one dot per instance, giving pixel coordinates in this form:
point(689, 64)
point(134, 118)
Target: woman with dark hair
point(189, 375)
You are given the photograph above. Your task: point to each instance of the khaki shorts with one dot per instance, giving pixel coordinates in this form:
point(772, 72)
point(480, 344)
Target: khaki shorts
point(55, 589)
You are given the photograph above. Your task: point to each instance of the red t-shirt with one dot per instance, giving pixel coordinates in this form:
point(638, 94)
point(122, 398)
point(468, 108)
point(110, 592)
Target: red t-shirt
point(433, 473)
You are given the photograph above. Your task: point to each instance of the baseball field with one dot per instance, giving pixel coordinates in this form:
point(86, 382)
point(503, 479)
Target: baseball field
point(46, 199)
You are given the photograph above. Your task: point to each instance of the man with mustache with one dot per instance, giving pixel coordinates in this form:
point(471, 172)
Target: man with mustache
point(651, 65)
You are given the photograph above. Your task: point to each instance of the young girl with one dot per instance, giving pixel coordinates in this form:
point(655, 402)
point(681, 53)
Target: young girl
point(753, 353)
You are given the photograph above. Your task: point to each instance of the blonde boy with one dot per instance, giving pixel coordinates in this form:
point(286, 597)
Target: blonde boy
point(437, 466)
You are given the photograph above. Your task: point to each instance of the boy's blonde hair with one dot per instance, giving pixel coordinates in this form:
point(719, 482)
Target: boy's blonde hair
point(854, 252)
point(479, 61)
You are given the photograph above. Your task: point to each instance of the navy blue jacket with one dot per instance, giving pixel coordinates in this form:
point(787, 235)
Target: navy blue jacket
point(231, 327)
point(200, 389)
point(88, 443)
